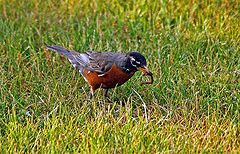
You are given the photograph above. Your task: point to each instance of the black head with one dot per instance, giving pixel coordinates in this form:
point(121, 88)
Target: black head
point(138, 62)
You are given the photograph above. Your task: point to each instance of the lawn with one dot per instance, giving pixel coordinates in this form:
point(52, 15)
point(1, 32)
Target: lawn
point(192, 48)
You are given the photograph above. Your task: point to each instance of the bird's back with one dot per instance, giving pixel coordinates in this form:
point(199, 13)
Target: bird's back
point(99, 62)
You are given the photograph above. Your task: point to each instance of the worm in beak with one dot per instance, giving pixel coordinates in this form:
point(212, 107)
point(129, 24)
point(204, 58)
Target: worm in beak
point(146, 72)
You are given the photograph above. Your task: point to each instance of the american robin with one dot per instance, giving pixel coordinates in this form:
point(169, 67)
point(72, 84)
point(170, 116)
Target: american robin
point(105, 69)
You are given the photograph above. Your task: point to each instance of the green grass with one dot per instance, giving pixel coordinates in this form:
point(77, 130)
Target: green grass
point(192, 49)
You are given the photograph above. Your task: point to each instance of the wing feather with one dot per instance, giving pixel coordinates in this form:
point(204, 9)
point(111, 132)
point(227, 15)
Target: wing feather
point(99, 62)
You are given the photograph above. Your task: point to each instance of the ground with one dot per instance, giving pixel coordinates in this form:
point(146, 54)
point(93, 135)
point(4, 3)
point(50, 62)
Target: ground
point(191, 47)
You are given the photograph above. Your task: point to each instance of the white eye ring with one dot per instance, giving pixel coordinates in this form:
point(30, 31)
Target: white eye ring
point(133, 64)
point(132, 59)
point(138, 62)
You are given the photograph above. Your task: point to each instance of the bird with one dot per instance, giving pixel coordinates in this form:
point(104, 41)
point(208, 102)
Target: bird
point(104, 70)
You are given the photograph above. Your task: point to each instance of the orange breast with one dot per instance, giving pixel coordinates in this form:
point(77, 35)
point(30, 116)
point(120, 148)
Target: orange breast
point(114, 77)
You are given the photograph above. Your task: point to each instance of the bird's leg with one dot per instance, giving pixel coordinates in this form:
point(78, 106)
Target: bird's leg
point(105, 94)
point(90, 95)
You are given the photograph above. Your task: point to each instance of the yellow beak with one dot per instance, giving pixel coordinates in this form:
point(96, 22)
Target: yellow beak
point(144, 70)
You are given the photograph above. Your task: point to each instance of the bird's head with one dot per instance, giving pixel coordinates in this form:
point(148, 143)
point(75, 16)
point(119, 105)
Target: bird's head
point(138, 61)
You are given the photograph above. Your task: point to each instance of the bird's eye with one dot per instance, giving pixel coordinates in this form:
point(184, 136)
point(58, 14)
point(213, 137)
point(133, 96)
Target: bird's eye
point(136, 64)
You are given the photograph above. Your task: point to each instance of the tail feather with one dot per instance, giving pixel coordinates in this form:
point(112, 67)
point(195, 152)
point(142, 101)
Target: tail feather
point(61, 50)
point(78, 60)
